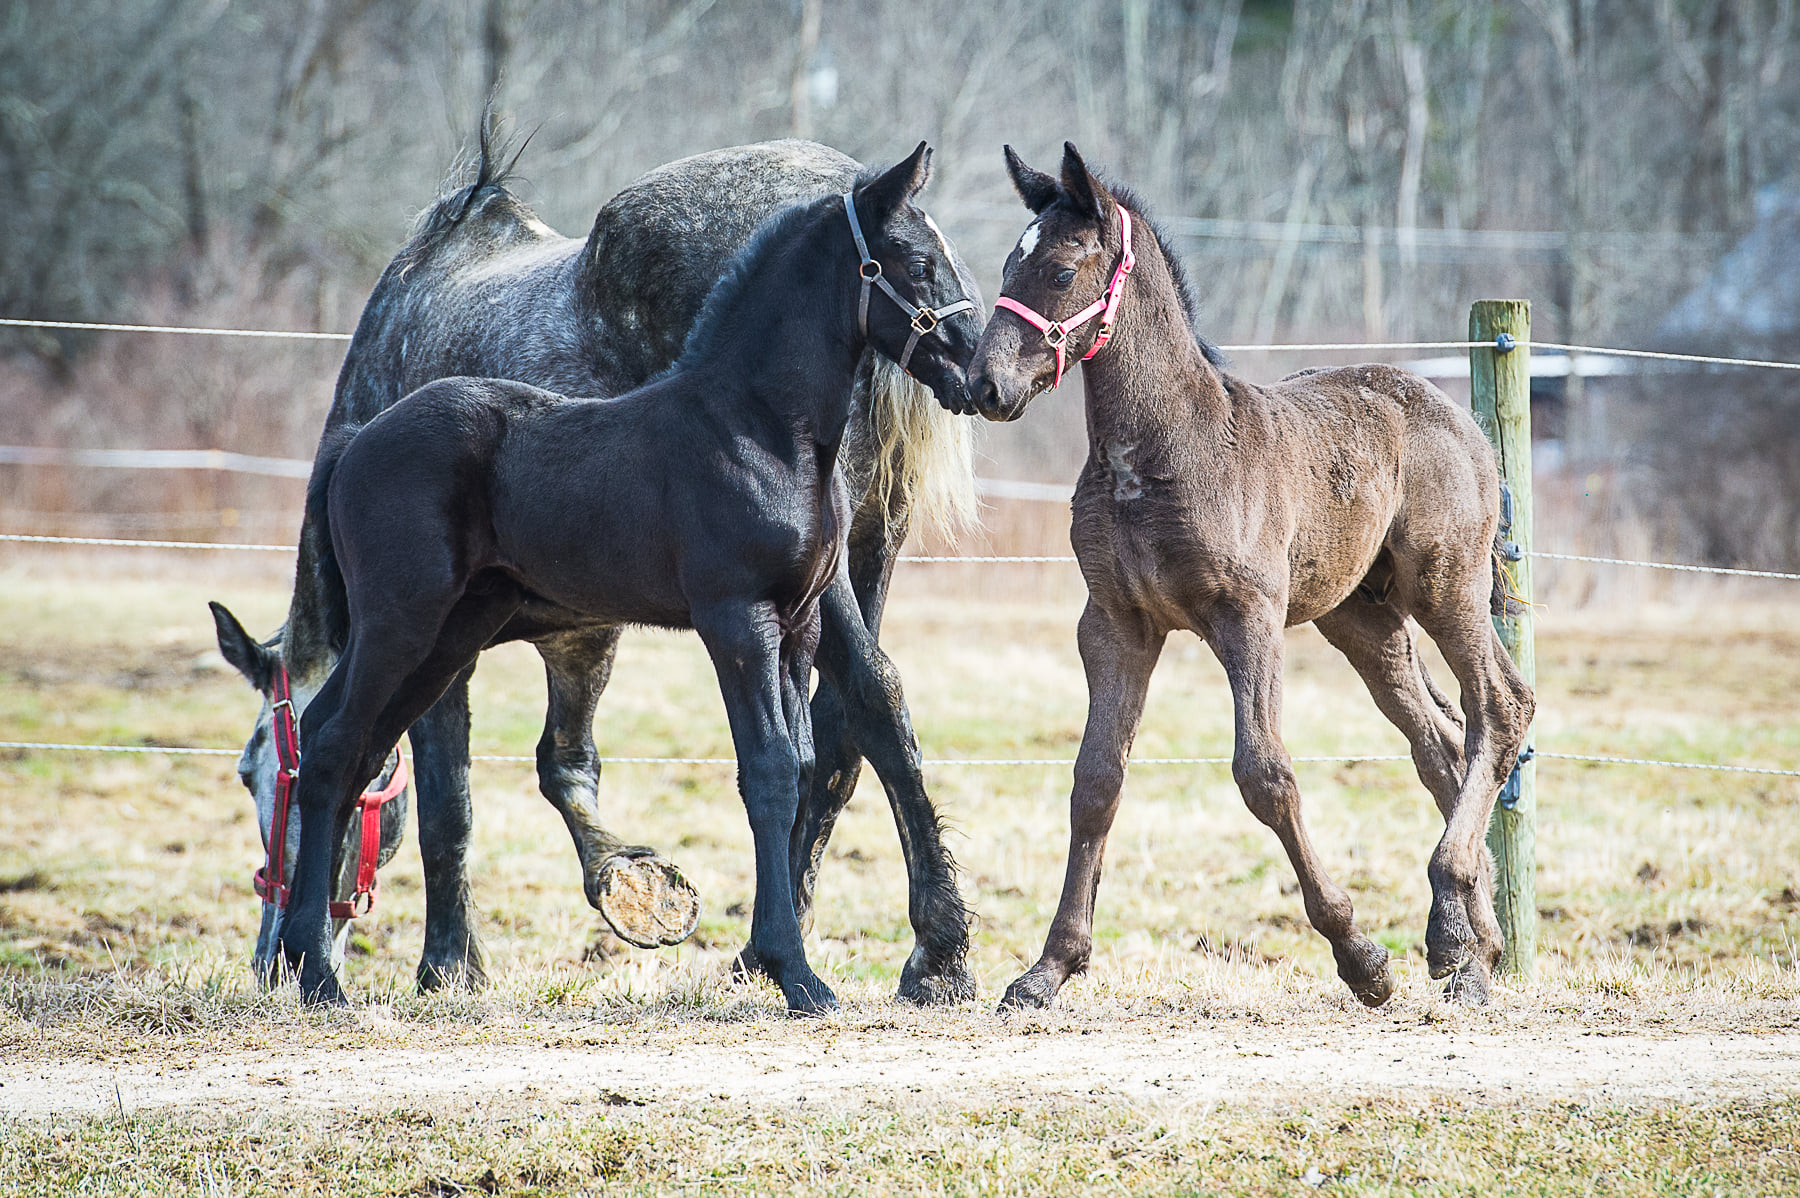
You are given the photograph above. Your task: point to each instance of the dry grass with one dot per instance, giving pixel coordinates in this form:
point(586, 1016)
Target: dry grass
point(1669, 899)
point(1057, 1145)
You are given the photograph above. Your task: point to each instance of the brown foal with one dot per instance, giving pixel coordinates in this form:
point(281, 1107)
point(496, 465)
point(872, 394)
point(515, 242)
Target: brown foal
point(1359, 499)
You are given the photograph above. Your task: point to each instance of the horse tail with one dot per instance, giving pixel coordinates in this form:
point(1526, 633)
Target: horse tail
point(923, 460)
point(455, 198)
point(331, 597)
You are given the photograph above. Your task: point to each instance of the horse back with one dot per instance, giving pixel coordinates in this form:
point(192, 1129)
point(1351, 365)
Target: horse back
point(657, 247)
point(492, 296)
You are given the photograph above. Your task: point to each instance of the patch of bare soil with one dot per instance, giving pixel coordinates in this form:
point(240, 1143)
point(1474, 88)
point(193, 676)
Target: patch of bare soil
point(783, 1064)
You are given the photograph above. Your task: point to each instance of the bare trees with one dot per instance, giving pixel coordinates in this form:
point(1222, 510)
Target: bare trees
point(144, 127)
point(265, 156)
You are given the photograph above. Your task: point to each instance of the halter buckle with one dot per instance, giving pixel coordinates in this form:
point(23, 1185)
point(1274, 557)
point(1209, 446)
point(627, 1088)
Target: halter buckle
point(1055, 335)
point(863, 270)
point(924, 321)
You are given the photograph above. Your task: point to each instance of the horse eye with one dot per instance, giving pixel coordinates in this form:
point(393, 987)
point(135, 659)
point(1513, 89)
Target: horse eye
point(1064, 277)
point(916, 270)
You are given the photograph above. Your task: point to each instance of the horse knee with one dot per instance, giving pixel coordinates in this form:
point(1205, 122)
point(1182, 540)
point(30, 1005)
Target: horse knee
point(1452, 867)
point(1269, 787)
point(877, 682)
point(563, 767)
point(770, 786)
point(1095, 797)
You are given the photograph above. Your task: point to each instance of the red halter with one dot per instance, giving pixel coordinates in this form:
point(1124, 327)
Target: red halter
point(269, 879)
point(1056, 332)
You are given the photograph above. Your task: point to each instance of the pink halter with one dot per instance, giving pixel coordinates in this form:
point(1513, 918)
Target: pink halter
point(1056, 333)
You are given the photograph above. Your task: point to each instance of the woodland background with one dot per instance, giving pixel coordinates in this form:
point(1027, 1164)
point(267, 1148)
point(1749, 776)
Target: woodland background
point(1357, 171)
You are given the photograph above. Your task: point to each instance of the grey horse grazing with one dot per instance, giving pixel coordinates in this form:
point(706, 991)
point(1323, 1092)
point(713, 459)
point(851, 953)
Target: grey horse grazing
point(484, 288)
point(1355, 499)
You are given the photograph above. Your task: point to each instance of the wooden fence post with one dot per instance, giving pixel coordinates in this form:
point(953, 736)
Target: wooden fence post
point(1500, 393)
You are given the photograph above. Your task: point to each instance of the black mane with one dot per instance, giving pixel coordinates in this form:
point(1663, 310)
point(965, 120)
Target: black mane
point(1177, 272)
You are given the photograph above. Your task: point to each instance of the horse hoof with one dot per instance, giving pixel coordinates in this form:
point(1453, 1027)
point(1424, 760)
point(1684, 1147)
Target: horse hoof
point(1032, 991)
point(810, 999)
point(1449, 940)
point(1363, 966)
point(1377, 992)
point(927, 987)
point(646, 901)
point(270, 971)
point(449, 976)
point(1468, 986)
point(322, 991)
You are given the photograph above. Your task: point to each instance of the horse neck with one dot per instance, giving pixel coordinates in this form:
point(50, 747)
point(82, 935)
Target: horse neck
point(788, 334)
point(1152, 374)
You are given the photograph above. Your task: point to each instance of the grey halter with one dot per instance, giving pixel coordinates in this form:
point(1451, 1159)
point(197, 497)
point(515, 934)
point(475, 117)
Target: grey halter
point(924, 320)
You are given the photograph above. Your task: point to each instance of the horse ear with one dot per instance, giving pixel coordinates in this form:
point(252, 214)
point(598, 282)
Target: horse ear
point(242, 650)
point(1037, 189)
point(1089, 194)
point(881, 196)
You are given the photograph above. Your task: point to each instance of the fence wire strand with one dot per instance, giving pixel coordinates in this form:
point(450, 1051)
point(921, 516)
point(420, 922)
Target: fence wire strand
point(95, 326)
point(1296, 347)
point(922, 558)
point(137, 544)
point(1618, 561)
point(1663, 357)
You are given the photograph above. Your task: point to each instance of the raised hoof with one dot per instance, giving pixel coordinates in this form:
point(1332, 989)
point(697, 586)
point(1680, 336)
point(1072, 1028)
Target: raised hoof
point(1363, 966)
point(938, 987)
point(1468, 986)
point(1031, 991)
point(646, 900)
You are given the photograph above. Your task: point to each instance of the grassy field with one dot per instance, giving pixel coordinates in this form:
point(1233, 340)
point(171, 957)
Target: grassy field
point(1670, 903)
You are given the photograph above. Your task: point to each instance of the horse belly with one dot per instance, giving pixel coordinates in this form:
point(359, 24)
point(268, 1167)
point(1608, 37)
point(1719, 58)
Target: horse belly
point(1340, 524)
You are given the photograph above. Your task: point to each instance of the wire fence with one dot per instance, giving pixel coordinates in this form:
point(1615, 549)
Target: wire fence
point(1293, 347)
point(919, 558)
point(293, 468)
point(935, 762)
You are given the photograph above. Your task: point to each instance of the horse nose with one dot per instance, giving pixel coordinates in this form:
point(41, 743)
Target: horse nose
point(987, 396)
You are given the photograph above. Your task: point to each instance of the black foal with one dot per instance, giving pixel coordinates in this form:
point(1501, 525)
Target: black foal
point(479, 511)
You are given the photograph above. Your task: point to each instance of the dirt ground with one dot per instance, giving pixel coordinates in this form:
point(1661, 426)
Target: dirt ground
point(1146, 1064)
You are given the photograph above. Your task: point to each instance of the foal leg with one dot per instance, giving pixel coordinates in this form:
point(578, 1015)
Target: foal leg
point(440, 744)
point(744, 641)
point(395, 667)
point(1249, 646)
point(1463, 936)
point(643, 898)
point(1118, 657)
point(1380, 647)
point(860, 704)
